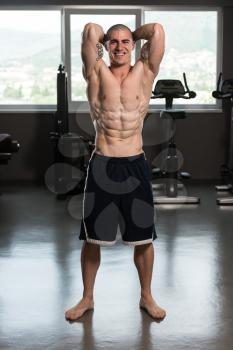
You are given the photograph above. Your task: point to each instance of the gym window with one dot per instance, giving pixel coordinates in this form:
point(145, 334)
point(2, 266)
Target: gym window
point(191, 47)
point(34, 42)
point(30, 46)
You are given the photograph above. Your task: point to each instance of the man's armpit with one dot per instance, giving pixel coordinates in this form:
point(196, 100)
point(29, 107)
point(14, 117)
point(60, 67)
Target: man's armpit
point(145, 51)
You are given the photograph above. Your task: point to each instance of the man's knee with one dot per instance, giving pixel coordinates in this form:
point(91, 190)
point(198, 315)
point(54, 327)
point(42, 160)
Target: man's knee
point(143, 246)
point(91, 246)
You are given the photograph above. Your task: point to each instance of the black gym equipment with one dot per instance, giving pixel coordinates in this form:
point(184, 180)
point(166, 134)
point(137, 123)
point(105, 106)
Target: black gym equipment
point(170, 89)
point(71, 151)
point(224, 92)
point(7, 147)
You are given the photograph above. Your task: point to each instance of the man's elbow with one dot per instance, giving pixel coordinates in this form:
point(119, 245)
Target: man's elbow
point(88, 25)
point(92, 31)
point(159, 31)
point(158, 27)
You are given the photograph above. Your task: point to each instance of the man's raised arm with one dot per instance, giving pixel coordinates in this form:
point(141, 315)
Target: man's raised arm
point(92, 48)
point(153, 50)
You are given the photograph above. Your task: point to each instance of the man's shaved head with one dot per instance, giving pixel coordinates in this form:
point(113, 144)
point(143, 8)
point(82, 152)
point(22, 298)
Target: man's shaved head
point(119, 43)
point(118, 27)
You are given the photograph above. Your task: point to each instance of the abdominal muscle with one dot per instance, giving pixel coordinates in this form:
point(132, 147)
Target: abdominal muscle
point(118, 110)
point(118, 134)
point(118, 147)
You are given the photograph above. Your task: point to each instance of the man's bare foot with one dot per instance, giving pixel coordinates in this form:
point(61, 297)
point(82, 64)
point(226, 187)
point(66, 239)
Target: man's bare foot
point(78, 310)
point(149, 305)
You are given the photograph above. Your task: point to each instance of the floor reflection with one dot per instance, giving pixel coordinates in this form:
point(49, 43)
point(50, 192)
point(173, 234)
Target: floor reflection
point(40, 277)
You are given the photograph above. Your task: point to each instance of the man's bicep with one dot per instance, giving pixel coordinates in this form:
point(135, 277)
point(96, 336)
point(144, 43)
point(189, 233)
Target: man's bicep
point(153, 50)
point(91, 49)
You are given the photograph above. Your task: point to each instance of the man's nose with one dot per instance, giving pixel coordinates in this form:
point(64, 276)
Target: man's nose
point(119, 45)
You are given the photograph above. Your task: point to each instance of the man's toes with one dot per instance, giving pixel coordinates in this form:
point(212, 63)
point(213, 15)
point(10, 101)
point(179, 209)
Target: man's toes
point(70, 315)
point(154, 312)
point(67, 316)
point(160, 314)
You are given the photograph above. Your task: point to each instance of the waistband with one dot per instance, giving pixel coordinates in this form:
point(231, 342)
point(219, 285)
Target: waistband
point(127, 159)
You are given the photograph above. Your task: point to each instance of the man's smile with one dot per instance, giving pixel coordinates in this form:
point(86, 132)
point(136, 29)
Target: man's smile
point(119, 53)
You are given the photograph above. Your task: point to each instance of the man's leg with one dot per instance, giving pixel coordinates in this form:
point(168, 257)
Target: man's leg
point(90, 262)
point(144, 260)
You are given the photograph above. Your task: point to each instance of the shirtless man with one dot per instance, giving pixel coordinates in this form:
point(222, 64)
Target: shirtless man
point(118, 174)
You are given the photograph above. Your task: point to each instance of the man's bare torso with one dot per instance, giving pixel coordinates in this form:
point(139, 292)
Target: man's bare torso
point(119, 95)
point(118, 107)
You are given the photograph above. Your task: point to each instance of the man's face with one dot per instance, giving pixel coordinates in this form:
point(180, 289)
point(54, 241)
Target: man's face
point(120, 46)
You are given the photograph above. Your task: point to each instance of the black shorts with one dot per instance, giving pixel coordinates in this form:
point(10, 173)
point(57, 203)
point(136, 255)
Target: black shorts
point(118, 191)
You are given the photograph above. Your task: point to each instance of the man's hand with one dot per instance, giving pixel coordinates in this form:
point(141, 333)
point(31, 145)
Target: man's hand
point(134, 36)
point(105, 41)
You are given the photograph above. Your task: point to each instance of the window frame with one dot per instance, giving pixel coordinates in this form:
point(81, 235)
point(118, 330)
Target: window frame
point(139, 11)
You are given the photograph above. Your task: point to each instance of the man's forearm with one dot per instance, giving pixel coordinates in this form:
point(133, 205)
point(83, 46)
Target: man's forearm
point(146, 31)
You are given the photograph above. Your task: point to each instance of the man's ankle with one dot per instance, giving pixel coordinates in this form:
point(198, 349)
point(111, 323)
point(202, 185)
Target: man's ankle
point(88, 297)
point(146, 294)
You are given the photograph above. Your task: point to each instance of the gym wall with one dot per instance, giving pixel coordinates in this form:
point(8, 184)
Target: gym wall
point(200, 137)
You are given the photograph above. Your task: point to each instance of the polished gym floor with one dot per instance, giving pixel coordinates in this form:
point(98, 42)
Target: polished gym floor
point(40, 277)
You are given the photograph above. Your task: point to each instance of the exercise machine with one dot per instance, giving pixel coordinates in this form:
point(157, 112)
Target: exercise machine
point(224, 92)
point(71, 151)
point(170, 89)
point(7, 147)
